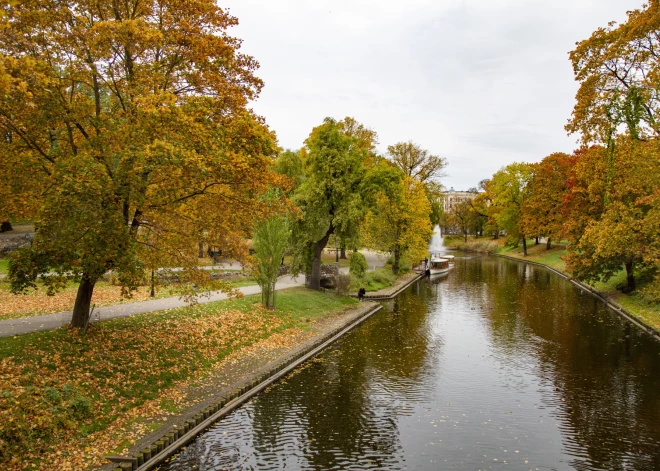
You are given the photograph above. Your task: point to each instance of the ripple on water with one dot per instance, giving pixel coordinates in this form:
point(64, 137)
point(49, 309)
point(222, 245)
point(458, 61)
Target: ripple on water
point(496, 367)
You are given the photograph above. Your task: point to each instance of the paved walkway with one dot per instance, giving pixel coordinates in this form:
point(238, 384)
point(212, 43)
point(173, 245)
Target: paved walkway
point(27, 325)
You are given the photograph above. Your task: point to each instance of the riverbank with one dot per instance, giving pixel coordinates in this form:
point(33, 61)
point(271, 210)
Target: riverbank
point(648, 314)
point(68, 399)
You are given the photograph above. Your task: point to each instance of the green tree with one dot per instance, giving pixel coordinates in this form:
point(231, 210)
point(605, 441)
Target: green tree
point(508, 187)
point(269, 242)
point(290, 163)
point(358, 265)
point(330, 199)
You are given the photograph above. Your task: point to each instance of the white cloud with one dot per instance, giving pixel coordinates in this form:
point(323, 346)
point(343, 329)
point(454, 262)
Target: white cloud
point(484, 83)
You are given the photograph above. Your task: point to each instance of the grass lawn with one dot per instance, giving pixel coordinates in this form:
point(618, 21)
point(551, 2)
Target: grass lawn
point(376, 280)
point(63, 395)
point(4, 266)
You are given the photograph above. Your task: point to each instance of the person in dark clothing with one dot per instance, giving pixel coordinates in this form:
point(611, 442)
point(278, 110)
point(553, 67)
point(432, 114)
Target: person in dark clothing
point(426, 263)
point(361, 293)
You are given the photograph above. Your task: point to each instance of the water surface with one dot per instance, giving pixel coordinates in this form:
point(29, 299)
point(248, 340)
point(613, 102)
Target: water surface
point(496, 366)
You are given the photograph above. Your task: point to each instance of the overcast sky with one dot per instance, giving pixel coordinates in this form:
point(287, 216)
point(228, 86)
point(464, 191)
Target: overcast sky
point(481, 82)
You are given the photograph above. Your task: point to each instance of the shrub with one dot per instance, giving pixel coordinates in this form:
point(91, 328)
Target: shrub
point(5, 226)
point(357, 265)
point(343, 284)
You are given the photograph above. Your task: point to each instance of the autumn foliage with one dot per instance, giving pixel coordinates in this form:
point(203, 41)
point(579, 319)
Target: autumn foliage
point(126, 131)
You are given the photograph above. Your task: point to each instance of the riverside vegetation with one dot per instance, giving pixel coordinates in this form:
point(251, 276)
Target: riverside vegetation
point(604, 198)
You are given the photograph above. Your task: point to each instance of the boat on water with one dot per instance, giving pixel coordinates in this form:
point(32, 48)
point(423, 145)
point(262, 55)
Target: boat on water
point(451, 258)
point(438, 266)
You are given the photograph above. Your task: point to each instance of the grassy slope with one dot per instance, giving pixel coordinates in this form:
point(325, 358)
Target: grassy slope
point(78, 385)
point(4, 266)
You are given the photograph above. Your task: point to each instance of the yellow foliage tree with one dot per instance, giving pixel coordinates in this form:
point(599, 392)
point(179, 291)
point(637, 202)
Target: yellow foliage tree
point(398, 221)
point(126, 125)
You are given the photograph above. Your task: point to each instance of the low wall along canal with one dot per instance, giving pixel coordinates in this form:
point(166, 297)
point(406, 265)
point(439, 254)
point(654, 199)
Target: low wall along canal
point(498, 365)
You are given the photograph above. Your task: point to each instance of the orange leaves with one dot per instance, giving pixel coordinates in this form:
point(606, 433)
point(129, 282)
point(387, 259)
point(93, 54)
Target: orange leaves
point(58, 384)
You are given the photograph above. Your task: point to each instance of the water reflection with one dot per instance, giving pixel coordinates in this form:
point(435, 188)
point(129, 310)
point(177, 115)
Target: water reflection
point(498, 365)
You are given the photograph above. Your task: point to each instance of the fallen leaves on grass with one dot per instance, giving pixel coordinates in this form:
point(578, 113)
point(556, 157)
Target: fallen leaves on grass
point(38, 302)
point(60, 390)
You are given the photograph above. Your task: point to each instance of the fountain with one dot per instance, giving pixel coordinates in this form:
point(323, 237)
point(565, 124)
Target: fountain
point(437, 243)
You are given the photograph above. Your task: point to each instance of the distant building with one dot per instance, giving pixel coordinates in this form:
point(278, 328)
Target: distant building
point(452, 197)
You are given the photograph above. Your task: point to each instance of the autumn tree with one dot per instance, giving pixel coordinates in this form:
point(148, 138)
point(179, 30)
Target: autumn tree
point(484, 210)
point(126, 124)
point(541, 211)
point(619, 76)
point(398, 219)
point(507, 188)
point(611, 226)
point(462, 216)
point(330, 199)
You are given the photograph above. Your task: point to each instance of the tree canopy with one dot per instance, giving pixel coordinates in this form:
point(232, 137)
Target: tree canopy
point(126, 125)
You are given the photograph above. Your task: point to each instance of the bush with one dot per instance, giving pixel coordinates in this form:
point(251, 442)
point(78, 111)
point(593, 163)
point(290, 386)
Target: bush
point(343, 284)
point(357, 265)
point(5, 226)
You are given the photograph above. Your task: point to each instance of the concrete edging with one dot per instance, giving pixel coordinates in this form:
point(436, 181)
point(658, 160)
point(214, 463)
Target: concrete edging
point(173, 439)
point(616, 307)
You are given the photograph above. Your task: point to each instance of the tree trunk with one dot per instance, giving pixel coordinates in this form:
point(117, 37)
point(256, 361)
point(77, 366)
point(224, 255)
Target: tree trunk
point(397, 259)
point(548, 244)
point(201, 250)
point(630, 266)
point(315, 280)
point(465, 235)
point(83, 301)
point(537, 240)
point(524, 245)
point(343, 252)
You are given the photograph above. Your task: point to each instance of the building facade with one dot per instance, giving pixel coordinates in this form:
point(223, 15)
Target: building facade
point(452, 197)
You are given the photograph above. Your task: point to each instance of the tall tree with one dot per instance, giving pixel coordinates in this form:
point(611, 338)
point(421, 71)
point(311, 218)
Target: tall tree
point(416, 162)
point(398, 220)
point(619, 76)
point(541, 212)
point(330, 199)
point(622, 233)
point(483, 207)
point(508, 189)
point(125, 120)
point(462, 216)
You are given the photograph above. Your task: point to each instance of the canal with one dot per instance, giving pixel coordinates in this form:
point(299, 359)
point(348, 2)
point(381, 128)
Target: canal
point(496, 366)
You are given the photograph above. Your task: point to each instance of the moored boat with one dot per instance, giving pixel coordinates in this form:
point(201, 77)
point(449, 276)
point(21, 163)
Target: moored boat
point(439, 265)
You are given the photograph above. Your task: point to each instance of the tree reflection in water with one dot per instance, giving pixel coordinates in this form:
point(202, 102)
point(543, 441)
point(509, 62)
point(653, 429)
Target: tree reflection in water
point(498, 365)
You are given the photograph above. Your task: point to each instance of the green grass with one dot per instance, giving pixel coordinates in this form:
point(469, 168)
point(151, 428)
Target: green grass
point(376, 280)
point(4, 266)
point(123, 363)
